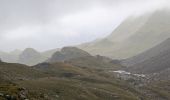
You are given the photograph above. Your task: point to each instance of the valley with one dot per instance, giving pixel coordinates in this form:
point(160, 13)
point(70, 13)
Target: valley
point(131, 63)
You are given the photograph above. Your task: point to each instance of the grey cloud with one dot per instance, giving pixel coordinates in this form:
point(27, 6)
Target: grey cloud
point(45, 24)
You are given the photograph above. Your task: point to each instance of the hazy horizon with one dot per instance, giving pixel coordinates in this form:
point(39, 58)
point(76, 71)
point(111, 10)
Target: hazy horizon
point(44, 25)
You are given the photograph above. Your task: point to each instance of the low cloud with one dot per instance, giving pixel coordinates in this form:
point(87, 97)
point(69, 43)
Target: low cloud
point(46, 24)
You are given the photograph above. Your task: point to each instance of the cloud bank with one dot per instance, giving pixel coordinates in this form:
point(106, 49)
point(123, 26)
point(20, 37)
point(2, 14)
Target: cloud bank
point(46, 24)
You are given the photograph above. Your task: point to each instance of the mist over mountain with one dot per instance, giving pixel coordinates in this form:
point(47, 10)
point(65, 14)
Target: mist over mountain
point(73, 56)
point(50, 52)
point(145, 32)
point(31, 57)
point(11, 57)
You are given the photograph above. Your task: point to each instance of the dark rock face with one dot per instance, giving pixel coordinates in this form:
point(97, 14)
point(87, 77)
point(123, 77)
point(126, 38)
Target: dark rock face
point(154, 60)
point(153, 65)
point(23, 94)
point(68, 53)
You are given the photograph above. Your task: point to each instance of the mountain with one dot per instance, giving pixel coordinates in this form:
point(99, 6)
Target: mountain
point(31, 57)
point(143, 32)
point(17, 56)
point(98, 47)
point(148, 54)
point(77, 57)
point(67, 53)
point(155, 60)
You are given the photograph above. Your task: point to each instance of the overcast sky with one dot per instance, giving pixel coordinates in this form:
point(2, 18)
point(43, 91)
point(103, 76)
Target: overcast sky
point(47, 24)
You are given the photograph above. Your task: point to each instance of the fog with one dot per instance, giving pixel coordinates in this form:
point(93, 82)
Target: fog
point(47, 24)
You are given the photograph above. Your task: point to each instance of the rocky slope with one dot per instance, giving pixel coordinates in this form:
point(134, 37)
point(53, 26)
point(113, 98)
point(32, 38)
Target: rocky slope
point(154, 60)
point(148, 54)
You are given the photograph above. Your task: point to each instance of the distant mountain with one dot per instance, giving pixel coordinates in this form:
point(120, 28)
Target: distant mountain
point(49, 53)
point(133, 36)
point(155, 60)
point(31, 57)
point(67, 53)
point(11, 57)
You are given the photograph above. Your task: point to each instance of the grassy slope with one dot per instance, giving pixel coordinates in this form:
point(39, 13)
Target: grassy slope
point(55, 82)
point(73, 89)
point(12, 71)
point(66, 82)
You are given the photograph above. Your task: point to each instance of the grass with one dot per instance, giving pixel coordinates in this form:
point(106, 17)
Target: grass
point(73, 89)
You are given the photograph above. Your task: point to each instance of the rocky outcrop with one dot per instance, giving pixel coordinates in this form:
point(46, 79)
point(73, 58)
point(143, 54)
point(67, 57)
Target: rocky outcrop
point(21, 94)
